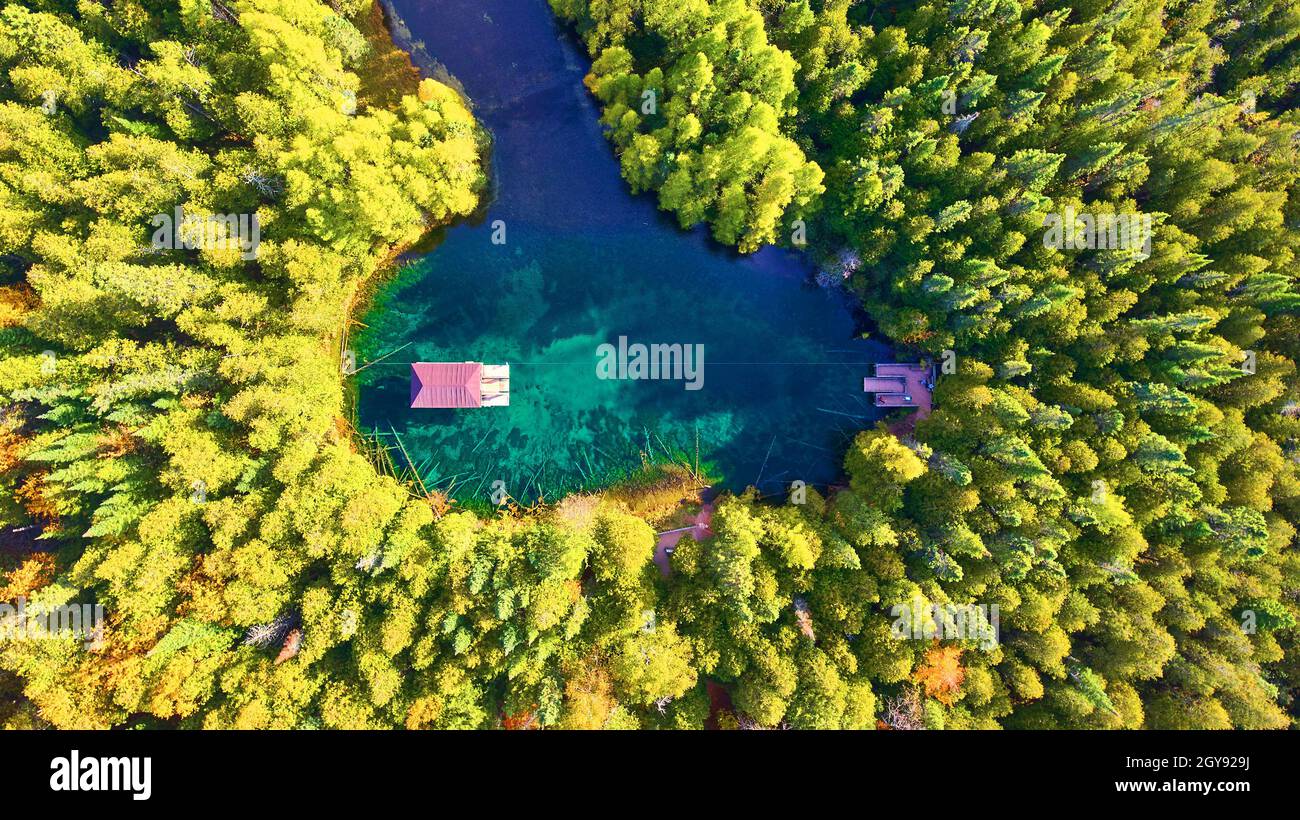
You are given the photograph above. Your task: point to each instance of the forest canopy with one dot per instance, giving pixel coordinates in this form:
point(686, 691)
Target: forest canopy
point(1110, 471)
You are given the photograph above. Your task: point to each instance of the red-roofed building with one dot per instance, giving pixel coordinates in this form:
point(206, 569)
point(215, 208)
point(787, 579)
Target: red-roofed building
point(459, 384)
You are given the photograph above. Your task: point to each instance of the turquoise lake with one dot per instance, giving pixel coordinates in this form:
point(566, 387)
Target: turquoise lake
point(585, 262)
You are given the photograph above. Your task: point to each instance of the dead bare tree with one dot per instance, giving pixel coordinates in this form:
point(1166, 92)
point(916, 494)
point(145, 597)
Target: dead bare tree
point(267, 186)
point(268, 633)
point(224, 13)
point(903, 711)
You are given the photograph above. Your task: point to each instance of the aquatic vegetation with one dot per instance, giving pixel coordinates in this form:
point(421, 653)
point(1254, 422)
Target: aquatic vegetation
point(1103, 500)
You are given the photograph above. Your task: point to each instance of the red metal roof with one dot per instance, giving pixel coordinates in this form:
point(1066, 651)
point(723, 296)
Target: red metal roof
point(446, 384)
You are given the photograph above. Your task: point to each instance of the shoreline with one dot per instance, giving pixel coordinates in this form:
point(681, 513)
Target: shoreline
point(384, 25)
point(423, 65)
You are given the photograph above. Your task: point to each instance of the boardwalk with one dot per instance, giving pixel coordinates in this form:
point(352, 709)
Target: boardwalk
point(700, 527)
point(902, 385)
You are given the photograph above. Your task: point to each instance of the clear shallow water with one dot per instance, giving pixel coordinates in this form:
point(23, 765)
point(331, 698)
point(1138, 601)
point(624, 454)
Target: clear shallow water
point(585, 262)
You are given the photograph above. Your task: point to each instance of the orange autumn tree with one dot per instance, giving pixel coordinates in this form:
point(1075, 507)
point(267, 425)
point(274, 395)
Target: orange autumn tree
point(942, 674)
point(36, 497)
point(34, 573)
point(526, 719)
